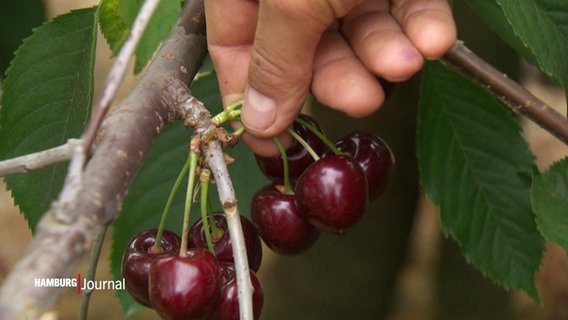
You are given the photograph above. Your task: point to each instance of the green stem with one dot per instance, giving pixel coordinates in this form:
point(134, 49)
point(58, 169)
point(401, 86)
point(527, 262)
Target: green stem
point(320, 135)
point(226, 115)
point(215, 230)
point(235, 106)
point(239, 132)
point(194, 157)
point(204, 179)
point(303, 143)
point(156, 248)
point(287, 185)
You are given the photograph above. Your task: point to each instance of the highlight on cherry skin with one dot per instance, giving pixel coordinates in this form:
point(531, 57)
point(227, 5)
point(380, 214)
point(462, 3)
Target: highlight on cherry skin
point(281, 225)
point(138, 256)
point(185, 287)
point(222, 241)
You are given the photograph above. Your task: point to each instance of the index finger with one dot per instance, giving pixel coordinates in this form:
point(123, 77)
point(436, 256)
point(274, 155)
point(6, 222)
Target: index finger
point(231, 26)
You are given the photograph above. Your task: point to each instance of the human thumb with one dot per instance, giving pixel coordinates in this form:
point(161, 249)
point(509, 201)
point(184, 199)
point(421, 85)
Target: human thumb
point(280, 72)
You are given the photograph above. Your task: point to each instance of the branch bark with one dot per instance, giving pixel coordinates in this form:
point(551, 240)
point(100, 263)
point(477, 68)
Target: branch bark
point(68, 229)
point(119, 70)
point(195, 115)
point(508, 91)
point(38, 160)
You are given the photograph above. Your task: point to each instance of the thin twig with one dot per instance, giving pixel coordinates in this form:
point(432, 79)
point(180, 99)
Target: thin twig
point(508, 91)
point(196, 115)
point(93, 262)
point(216, 161)
point(119, 70)
point(38, 160)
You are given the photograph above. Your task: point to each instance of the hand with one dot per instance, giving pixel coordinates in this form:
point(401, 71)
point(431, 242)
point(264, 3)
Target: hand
point(272, 52)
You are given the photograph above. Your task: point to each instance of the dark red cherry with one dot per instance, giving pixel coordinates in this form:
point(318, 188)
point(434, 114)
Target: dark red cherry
point(332, 192)
point(279, 222)
point(185, 287)
point(222, 242)
point(137, 258)
point(298, 157)
point(227, 307)
point(374, 156)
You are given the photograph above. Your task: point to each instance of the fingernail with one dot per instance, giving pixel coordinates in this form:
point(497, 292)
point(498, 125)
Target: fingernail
point(259, 111)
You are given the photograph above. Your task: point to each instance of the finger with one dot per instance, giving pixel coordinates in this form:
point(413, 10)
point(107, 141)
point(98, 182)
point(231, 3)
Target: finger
point(341, 81)
point(380, 43)
point(230, 40)
point(282, 59)
point(429, 24)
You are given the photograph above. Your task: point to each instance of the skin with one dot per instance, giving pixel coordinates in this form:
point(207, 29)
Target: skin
point(271, 53)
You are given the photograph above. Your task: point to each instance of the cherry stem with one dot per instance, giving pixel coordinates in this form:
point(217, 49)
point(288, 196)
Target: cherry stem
point(215, 230)
point(320, 135)
point(235, 106)
point(303, 143)
point(225, 116)
point(239, 132)
point(231, 112)
point(156, 248)
point(204, 179)
point(194, 153)
point(287, 186)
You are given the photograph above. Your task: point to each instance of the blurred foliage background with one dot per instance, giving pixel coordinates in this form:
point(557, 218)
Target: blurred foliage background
point(396, 264)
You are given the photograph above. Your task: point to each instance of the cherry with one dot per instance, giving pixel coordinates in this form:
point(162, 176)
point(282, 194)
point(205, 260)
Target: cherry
point(279, 222)
point(374, 156)
point(298, 157)
point(185, 287)
point(227, 307)
point(333, 193)
point(222, 242)
point(137, 258)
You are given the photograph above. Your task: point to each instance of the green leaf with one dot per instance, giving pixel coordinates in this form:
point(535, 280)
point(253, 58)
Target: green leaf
point(46, 100)
point(549, 197)
point(492, 15)
point(476, 167)
point(542, 25)
point(146, 198)
point(163, 20)
point(113, 26)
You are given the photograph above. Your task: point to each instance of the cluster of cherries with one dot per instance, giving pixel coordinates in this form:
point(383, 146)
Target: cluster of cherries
point(328, 192)
point(316, 186)
point(196, 284)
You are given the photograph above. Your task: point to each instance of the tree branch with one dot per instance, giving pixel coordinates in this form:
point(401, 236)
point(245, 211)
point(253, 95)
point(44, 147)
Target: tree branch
point(508, 91)
point(119, 69)
point(66, 232)
point(38, 160)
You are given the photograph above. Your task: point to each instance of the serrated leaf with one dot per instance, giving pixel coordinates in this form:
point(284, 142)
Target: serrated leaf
point(549, 197)
point(492, 15)
point(542, 25)
point(163, 20)
point(46, 100)
point(146, 199)
point(476, 167)
point(113, 26)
